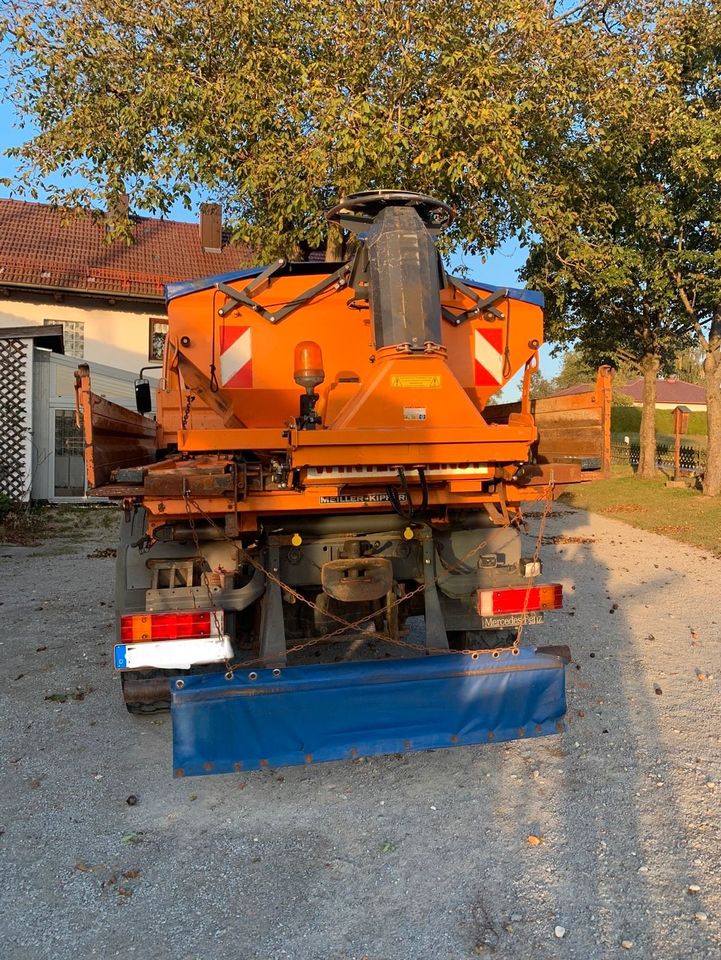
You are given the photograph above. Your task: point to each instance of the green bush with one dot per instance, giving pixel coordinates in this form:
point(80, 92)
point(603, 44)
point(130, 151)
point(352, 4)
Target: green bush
point(7, 505)
point(628, 420)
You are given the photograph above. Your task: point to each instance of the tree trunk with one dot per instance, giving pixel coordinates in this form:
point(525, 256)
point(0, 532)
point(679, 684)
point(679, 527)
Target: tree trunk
point(712, 379)
point(650, 365)
point(335, 245)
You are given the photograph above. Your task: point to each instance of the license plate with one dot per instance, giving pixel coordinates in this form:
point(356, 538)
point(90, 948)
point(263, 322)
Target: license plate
point(172, 654)
point(511, 620)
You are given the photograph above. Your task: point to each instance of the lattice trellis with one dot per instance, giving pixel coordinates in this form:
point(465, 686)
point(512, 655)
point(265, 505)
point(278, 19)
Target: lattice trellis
point(14, 418)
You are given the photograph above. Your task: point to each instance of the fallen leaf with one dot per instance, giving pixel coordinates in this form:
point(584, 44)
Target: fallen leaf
point(82, 867)
point(131, 874)
point(534, 840)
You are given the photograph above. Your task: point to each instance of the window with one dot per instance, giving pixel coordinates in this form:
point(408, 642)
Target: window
point(158, 333)
point(73, 336)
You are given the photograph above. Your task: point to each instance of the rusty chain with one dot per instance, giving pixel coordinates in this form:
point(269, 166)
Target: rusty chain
point(548, 504)
point(357, 626)
point(211, 599)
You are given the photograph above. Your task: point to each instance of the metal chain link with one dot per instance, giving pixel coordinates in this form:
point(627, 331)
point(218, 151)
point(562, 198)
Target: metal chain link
point(536, 553)
point(345, 625)
point(211, 600)
point(357, 625)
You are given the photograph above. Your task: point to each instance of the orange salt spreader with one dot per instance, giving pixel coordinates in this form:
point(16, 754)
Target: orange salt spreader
point(321, 554)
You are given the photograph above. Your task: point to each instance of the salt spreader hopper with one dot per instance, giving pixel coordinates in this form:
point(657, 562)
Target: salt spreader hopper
point(320, 555)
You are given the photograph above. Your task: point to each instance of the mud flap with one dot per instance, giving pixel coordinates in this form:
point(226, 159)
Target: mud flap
point(310, 714)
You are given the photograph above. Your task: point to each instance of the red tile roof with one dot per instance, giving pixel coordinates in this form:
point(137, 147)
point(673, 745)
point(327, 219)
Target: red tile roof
point(46, 247)
point(667, 391)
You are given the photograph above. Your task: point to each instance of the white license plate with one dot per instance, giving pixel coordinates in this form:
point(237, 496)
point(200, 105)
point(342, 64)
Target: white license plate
point(172, 654)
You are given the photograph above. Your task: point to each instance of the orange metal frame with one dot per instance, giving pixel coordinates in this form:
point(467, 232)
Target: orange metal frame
point(380, 410)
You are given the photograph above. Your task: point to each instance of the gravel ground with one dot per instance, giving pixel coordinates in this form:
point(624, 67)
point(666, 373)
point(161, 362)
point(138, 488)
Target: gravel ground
point(420, 857)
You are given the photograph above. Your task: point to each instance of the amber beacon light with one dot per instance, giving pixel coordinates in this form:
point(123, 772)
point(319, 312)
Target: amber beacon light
point(308, 372)
point(308, 367)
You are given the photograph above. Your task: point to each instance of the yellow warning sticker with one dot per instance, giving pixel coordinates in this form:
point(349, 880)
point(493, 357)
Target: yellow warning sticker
point(425, 381)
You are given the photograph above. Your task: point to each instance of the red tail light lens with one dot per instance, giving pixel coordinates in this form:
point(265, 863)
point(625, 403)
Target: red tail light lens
point(549, 596)
point(137, 627)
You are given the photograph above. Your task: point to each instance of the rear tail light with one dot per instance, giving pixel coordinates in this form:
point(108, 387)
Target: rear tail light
point(549, 596)
point(136, 627)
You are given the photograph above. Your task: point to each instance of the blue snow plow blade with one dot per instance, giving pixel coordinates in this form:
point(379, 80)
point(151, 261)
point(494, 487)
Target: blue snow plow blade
point(310, 714)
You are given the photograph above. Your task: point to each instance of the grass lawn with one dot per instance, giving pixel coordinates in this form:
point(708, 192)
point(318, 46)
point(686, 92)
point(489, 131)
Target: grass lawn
point(679, 513)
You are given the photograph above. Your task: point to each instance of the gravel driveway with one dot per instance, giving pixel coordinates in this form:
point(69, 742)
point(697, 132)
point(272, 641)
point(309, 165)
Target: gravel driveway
point(430, 856)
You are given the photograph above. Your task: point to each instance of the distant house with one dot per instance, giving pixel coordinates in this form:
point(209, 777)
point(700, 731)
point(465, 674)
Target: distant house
point(670, 393)
point(66, 294)
point(57, 268)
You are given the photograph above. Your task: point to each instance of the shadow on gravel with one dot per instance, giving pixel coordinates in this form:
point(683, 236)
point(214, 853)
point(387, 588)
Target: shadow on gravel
point(613, 869)
point(445, 855)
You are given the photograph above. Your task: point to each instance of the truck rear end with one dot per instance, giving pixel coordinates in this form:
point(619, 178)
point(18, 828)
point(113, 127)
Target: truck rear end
point(321, 552)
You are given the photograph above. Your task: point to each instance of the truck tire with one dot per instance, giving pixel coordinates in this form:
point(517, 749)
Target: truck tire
point(144, 707)
point(128, 600)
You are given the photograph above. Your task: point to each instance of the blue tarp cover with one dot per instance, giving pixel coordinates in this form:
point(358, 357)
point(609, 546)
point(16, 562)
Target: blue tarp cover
point(310, 714)
point(184, 287)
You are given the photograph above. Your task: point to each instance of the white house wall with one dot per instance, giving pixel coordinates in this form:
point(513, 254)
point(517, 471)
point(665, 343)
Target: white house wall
point(693, 407)
point(116, 336)
point(54, 389)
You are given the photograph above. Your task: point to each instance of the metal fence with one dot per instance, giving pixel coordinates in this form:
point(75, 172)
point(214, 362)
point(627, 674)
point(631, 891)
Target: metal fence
point(693, 459)
point(15, 414)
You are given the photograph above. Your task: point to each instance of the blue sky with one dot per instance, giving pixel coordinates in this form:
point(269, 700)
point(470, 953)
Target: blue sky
point(500, 268)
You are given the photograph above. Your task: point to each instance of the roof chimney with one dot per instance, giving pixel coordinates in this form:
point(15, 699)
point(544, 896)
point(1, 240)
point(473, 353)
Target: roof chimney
point(211, 227)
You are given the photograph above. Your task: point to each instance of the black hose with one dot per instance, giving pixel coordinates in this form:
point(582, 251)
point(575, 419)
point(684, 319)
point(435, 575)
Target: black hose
point(395, 500)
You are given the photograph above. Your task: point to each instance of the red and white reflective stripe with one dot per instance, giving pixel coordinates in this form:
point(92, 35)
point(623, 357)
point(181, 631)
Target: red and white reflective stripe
point(488, 357)
point(236, 358)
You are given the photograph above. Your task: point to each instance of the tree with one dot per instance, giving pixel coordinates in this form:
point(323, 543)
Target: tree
point(688, 224)
point(596, 207)
point(541, 386)
point(278, 107)
point(574, 370)
point(688, 364)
